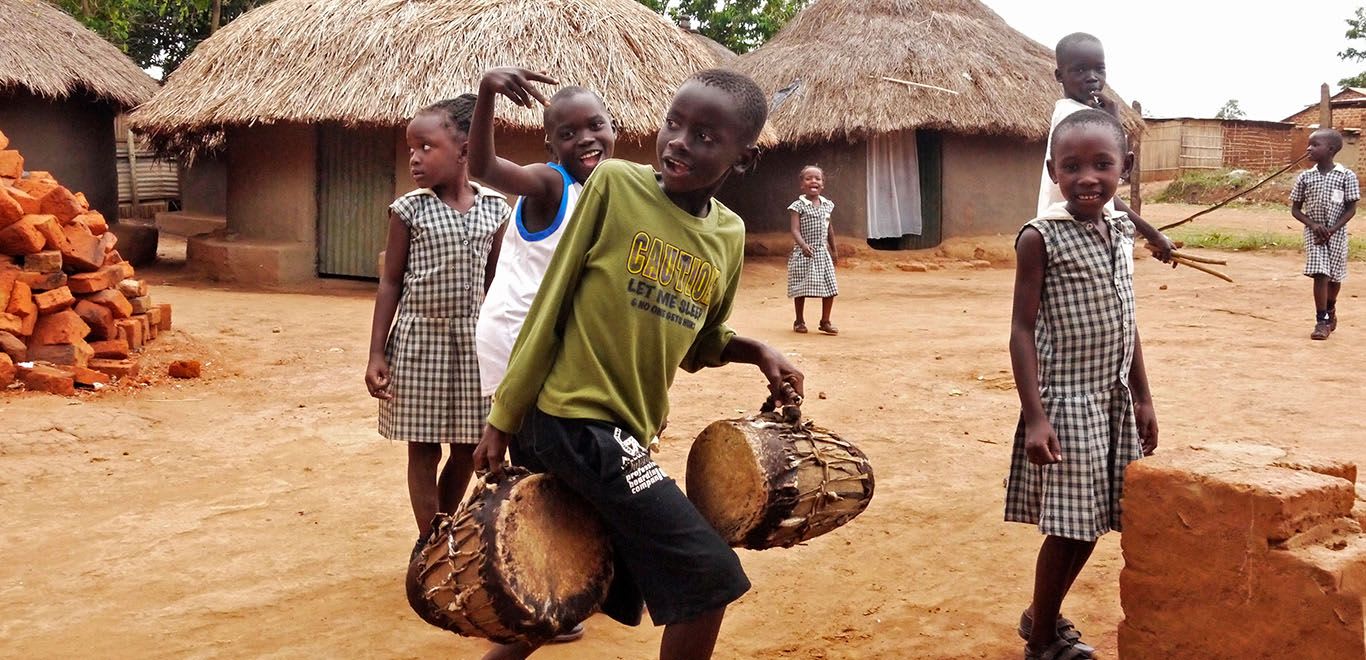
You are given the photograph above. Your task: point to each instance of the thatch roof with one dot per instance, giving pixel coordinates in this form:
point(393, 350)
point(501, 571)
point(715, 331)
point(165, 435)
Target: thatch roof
point(50, 54)
point(723, 56)
point(379, 61)
point(855, 58)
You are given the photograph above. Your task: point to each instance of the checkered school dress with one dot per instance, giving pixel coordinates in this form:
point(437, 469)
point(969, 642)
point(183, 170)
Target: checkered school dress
point(431, 350)
point(812, 276)
point(1085, 341)
point(1323, 197)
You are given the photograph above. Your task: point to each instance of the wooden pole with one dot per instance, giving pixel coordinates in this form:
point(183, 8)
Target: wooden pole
point(1325, 107)
point(216, 16)
point(132, 170)
point(1135, 174)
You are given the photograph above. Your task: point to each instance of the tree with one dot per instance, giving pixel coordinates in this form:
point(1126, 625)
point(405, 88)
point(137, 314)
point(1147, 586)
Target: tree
point(1356, 29)
point(740, 25)
point(156, 33)
point(1230, 111)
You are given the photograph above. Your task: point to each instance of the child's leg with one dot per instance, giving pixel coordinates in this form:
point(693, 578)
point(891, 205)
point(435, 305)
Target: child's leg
point(695, 638)
point(423, 457)
point(826, 304)
point(455, 477)
point(1331, 302)
point(799, 303)
point(1060, 561)
point(1320, 296)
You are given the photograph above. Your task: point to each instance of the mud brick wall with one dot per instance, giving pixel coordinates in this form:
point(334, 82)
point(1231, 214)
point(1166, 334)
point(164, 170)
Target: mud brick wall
point(1242, 551)
point(1343, 117)
point(1257, 148)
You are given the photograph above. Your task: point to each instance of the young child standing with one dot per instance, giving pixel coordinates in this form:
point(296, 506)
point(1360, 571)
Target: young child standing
point(1324, 199)
point(641, 284)
point(579, 134)
point(1078, 365)
point(811, 265)
point(441, 252)
point(1080, 60)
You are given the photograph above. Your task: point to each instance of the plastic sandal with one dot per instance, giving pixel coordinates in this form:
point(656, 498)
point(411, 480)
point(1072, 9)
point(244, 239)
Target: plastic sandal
point(828, 328)
point(1060, 649)
point(798, 326)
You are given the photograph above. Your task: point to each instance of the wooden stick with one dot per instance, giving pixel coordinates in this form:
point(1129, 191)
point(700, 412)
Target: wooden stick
point(1200, 260)
point(914, 84)
point(1234, 196)
point(1203, 269)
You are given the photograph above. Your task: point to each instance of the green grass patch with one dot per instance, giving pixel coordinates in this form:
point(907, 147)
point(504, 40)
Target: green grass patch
point(1261, 240)
point(1210, 186)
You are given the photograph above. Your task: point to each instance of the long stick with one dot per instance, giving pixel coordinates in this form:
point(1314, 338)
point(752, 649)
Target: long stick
point(915, 84)
point(1200, 260)
point(1203, 269)
point(1234, 196)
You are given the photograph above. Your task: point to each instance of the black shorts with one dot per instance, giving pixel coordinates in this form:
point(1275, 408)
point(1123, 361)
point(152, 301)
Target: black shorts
point(667, 556)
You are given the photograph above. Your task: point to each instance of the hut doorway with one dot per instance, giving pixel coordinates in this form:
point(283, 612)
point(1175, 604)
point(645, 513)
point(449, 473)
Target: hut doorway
point(905, 190)
point(355, 186)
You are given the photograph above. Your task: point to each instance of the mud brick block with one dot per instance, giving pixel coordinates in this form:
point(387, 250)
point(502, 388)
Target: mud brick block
point(21, 305)
point(94, 220)
point(117, 368)
point(27, 202)
point(11, 164)
point(62, 203)
point(53, 236)
point(56, 300)
point(63, 327)
point(87, 377)
point(7, 370)
point(155, 314)
point(82, 202)
point(132, 288)
point(48, 378)
point(165, 323)
point(8, 276)
point(104, 278)
point(114, 300)
point(11, 324)
point(13, 346)
point(36, 187)
point(124, 269)
point(107, 242)
point(86, 253)
point(75, 354)
point(109, 349)
point(132, 333)
point(112, 258)
point(184, 369)
point(147, 334)
point(140, 304)
point(22, 237)
point(46, 261)
point(43, 281)
point(99, 318)
point(10, 208)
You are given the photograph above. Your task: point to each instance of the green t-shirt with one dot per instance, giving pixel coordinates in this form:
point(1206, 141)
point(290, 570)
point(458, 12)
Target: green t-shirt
point(637, 288)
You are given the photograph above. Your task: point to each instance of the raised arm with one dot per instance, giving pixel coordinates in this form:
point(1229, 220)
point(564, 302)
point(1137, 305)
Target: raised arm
point(536, 180)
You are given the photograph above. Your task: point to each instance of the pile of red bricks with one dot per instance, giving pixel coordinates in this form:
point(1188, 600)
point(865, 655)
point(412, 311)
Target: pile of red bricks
point(72, 312)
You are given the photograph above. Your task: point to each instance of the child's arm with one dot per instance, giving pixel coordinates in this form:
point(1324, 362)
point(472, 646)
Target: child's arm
point(1041, 442)
point(795, 221)
point(537, 180)
point(776, 368)
point(830, 240)
point(1319, 231)
point(1143, 399)
point(1158, 242)
point(491, 266)
point(386, 303)
point(1348, 211)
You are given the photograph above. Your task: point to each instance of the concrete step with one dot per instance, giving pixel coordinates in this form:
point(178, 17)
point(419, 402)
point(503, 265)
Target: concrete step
point(180, 223)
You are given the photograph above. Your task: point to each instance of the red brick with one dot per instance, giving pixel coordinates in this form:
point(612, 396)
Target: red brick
point(99, 318)
point(125, 270)
point(11, 164)
point(85, 376)
point(43, 281)
point(133, 288)
point(22, 237)
point(95, 221)
point(114, 301)
point(21, 305)
point(8, 276)
point(132, 332)
point(165, 323)
point(155, 314)
point(55, 300)
point(107, 242)
point(116, 368)
point(85, 253)
point(82, 203)
point(147, 334)
point(140, 304)
point(75, 354)
point(116, 349)
point(11, 324)
point(13, 346)
point(27, 202)
point(48, 378)
point(102, 279)
point(62, 203)
point(46, 261)
point(53, 236)
point(10, 208)
point(7, 371)
point(64, 327)
point(184, 369)
point(36, 187)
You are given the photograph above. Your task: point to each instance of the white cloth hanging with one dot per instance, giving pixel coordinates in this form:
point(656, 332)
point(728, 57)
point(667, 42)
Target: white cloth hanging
point(893, 186)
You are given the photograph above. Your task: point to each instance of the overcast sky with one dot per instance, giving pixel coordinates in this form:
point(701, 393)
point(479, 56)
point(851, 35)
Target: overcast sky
point(1185, 58)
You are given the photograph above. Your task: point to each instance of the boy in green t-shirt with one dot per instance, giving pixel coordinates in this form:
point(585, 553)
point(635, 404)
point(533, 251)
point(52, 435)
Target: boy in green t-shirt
point(641, 284)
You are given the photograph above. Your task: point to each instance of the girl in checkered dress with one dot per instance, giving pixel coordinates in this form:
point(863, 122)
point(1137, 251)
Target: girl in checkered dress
point(811, 265)
point(1086, 409)
point(441, 253)
point(1324, 199)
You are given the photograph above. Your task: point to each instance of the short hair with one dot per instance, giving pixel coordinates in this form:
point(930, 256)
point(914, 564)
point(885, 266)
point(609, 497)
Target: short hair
point(568, 92)
point(1334, 137)
point(749, 99)
point(455, 113)
point(1088, 117)
point(811, 166)
point(1074, 39)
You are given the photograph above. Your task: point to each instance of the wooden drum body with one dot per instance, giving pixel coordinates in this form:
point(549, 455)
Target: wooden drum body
point(764, 483)
point(523, 559)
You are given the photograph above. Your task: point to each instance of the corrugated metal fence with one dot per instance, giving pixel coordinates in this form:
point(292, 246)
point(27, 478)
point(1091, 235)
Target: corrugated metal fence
point(147, 184)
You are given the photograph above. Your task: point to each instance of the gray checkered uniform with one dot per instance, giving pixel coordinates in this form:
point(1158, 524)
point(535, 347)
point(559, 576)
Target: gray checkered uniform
point(431, 350)
point(1085, 341)
point(1315, 189)
point(812, 276)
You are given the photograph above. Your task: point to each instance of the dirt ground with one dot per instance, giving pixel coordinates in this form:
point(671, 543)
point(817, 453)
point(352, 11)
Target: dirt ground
point(256, 513)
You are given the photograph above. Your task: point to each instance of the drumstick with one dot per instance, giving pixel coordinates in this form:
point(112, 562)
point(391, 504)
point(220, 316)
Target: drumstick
point(1204, 269)
point(1200, 260)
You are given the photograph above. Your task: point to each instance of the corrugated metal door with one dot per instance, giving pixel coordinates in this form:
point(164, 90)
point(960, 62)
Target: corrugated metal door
point(355, 187)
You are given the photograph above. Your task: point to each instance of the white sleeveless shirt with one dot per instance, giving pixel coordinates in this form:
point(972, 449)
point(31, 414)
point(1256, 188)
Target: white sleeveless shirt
point(522, 263)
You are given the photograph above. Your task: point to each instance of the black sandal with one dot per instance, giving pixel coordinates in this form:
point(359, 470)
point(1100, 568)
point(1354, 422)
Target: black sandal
point(799, 327)
point(1060, 649)
point(1067, 631)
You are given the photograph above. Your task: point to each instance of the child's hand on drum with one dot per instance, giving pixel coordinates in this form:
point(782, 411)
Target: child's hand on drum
point(488, 454)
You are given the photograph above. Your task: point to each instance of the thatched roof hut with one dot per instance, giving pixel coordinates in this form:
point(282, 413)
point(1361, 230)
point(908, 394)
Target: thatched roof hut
point(52, 55)
point(948, 65)
point(377, 62)
point(928, 116)
point(724, 57)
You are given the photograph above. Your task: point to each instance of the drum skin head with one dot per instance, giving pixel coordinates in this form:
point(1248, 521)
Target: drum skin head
point(725, 482)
